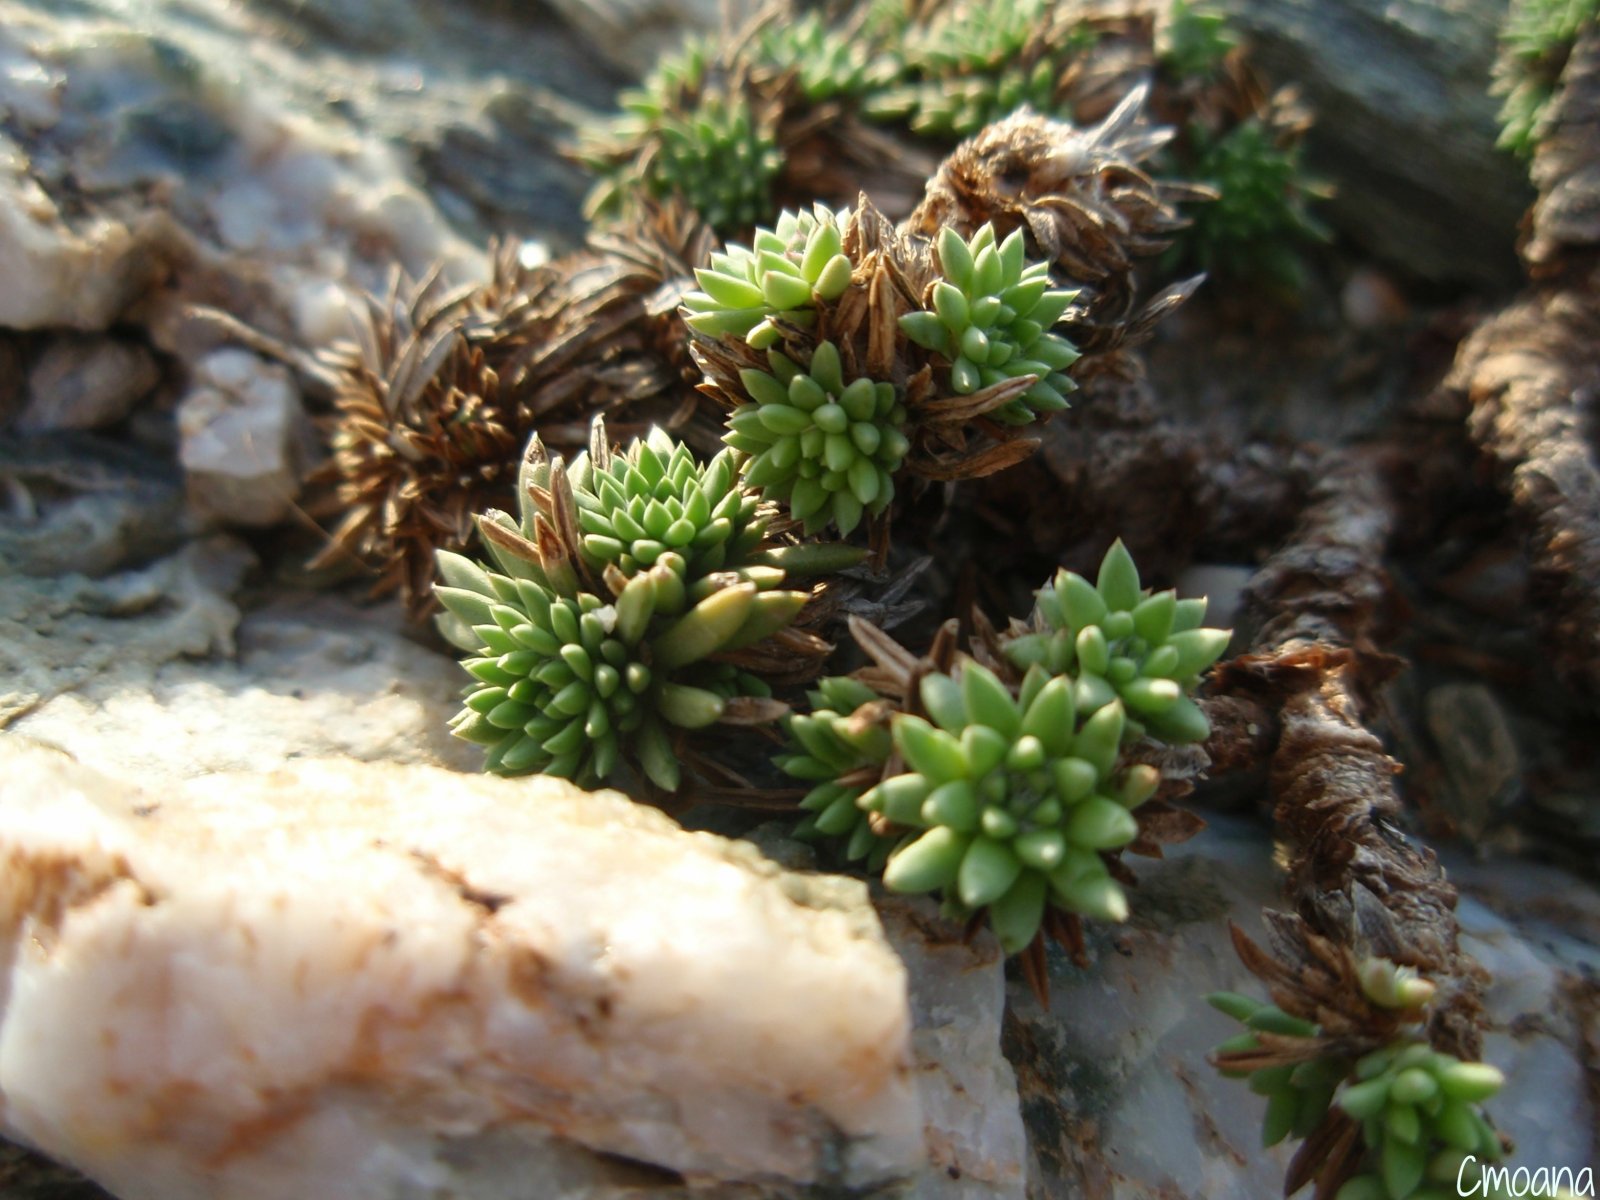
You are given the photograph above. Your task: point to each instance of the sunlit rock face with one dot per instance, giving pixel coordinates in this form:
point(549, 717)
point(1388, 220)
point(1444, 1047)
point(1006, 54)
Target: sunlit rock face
point(254, 985)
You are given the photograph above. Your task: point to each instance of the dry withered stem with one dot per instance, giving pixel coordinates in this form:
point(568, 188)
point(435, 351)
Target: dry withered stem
point(1353, 877)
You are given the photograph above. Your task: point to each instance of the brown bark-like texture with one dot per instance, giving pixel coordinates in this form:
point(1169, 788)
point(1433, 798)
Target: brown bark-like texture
point(1353, 876)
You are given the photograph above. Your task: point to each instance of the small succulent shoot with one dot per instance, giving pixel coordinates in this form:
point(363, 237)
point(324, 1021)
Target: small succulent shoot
point(1194, 41)
point(1298, 1094)
point(1390, 985)
point(1261, 217)
point(1534, 46)
point(1011, 799)
point(1421, 1121)
point(1120, 641)
point(840, 748)
point(589, 632)
point(786, 271)
point(826, 448)
point(990, 315)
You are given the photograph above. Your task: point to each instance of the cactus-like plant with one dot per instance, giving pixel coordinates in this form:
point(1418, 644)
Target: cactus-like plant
point(827, 62)
point(990, 315)
point(827, 448)
point(1119, 640)
point(590, 632)
point(780, 277)
point(1298, 1094)
point(1014, 798)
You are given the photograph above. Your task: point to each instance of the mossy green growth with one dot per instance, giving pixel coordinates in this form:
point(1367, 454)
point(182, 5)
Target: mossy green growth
point(991, 316)
point(1194, 41)
point(1421, 1121)
point(1013, 797)
point(832, 749)
point(781, 276)
point(569, 681)
point(1120, 641)
point(826, 448)
point(1538, 36)
point(1261, 219)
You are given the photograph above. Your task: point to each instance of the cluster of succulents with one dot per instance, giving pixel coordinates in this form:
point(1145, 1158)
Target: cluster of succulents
point(1537, 38)
point(1260, 219)
point(827, 448)
point(1012, 793)
point(970, 64)
point(827, 63)
point(1417, 1109)
point(573, 674)
point(990, 314)
point(1120, 641)
point(747, 291)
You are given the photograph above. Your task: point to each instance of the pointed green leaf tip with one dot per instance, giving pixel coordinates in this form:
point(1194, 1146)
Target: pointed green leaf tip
point(826, 447)
point(991, 315)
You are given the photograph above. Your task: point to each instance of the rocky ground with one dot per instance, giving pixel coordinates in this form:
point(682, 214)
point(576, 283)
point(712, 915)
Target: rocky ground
point(203, 741)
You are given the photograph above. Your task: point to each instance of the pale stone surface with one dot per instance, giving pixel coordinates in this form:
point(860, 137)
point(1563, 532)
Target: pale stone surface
point(398, 960)
point(245, 439)
point(85, 382)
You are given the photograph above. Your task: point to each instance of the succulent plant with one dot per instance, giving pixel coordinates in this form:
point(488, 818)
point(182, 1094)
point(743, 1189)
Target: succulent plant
point(1534, 45)
point(1120, 641)
point(827, 62)
point(573, 673)
point(826, 448)
point(1013, 797)
point(1420, 1122)
point(973, 63)
point(1260, 218)
point(1298, 1094)
point(1194, 41)
point(840, 747)
point(745, 291)
point(990, 315)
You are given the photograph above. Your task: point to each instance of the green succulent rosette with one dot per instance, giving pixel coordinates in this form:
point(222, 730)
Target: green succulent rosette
point(991, 315)
point(1421, 1122)
point(572, 676)
point(656, 500)
point(841, 756)
point(780, 277)
point(827, 449)
point(1012, 799)
point(1534, 45)
point(957, 107)
point(1120, 641)
point(1298, 1095)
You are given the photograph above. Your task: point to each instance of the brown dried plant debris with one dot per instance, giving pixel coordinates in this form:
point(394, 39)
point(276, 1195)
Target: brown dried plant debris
point(440, 388)
point(1353, 876)
point(1527, 377)
point(1086, 200)
point(1566, 217)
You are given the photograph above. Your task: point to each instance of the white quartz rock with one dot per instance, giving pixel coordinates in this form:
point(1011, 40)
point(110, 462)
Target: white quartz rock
point(327, 980)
